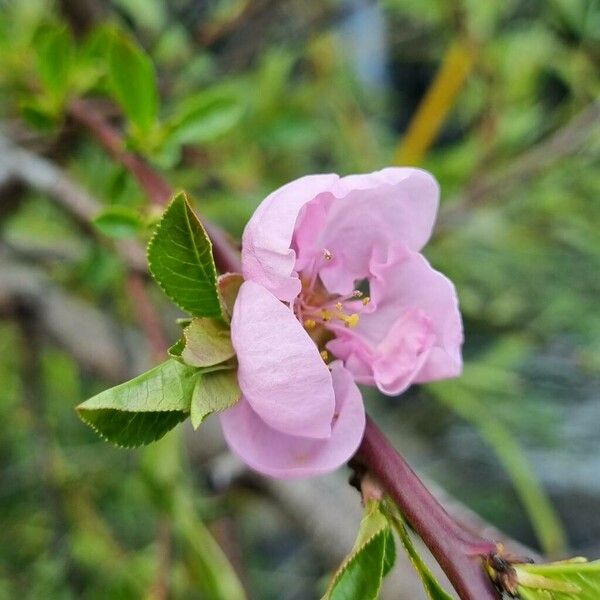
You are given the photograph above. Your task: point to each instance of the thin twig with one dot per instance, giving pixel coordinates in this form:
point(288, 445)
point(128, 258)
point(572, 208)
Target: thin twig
point(152, 183)
point(458, 551)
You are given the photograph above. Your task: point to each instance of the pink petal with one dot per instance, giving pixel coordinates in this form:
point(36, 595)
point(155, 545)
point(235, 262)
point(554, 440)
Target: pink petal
point(267, 257)
point(281, 372)
point(415, 333)
point(284, 456)
point(372, 212)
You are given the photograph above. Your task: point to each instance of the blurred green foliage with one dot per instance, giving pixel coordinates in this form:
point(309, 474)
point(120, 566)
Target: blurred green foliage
point(234, 101)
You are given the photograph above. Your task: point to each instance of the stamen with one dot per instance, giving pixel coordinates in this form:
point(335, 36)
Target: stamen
point(339, 305)
point(327, 255)
point(310, 323)
point(350, 321)
point(366, 300)
point(326, 315)
point(357, 294)
point(325, 355)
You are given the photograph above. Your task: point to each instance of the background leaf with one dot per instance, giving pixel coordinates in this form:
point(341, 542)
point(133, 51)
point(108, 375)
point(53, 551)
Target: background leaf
point(143, 409)
point(133, 82)
point(55, 57)
point(118, 222)
point(213, 392)
point(181, 261)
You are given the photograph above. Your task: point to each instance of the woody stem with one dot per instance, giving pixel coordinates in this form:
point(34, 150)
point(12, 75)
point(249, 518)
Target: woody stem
point(458, 551)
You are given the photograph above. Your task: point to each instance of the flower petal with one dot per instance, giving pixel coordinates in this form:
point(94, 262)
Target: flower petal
point(284, 456)
point(414, 335)
point(267, 257)
point(281, 372)
point(373, 211)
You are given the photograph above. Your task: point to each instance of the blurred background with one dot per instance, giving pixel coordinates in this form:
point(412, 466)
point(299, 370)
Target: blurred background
point(498, 99)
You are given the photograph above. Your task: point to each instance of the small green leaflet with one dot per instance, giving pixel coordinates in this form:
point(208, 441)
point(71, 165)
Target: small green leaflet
point(432, 586)
point(574, 579)
point(207, 343)
point(229, 285)
point(181, 261)
point(133, 82)
point(214, 391)
point(143, 409)
point(373, 555)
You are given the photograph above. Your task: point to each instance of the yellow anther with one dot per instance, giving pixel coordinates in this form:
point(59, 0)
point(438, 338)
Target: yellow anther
point(327, 255)
point(326, 315)
point(324, 355)
point(366, 300)
point(339, 305)
point(351, 320)
point(310, 323)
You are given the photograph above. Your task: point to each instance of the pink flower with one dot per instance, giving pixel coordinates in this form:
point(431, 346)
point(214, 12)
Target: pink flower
point(306, 249)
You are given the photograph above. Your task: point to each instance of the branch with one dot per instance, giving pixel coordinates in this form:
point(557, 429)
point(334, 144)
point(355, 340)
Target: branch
point(152, 183)
point(458, 551)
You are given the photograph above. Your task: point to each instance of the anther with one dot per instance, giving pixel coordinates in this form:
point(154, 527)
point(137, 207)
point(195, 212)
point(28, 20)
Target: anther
point(326, 315)
point(310, 323)
point(324, 355)
point(339, 305)
point(351, 321)
point(366, 300)
point(357, 294)
point(327, 255)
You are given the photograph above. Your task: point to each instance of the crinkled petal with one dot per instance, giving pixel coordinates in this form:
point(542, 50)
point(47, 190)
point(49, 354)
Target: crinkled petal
point(372, 212)
point(284, 456)
point(281, 372)
point(414, 335)
point(267, 256)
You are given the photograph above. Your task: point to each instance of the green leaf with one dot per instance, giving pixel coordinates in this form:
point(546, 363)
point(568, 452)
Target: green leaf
point(55, 57)
point(118, 222)
point(205, 117)
point(181, 261)
point(574, 579)
point(143, 409)
point(176, 349)
point(229, 285)
point(214, 392)
point(432, 586)
point(133, 82)
point(207, 343)
point(373, 554)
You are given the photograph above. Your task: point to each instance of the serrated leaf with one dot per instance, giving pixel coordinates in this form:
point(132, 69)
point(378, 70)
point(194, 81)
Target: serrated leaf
point(229, 285)
point(432, 586)
point(176, 349)
point(371, 558)
point(207, 343)
point(133, 82)
point(565, 580)
point(143, 409)
point(214, 392)
point(181, 261)
point(118, 222)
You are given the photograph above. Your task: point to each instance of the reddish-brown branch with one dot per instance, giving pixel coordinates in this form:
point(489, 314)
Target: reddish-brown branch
point(458, 551)
point(152, 183)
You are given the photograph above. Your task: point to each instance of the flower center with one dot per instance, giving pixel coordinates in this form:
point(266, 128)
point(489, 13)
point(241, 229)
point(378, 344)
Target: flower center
point(321, 312)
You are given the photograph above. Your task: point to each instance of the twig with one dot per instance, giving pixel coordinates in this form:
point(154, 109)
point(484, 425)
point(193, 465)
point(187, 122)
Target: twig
point(152, 183)
point(458, 551)
point(562, 143)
